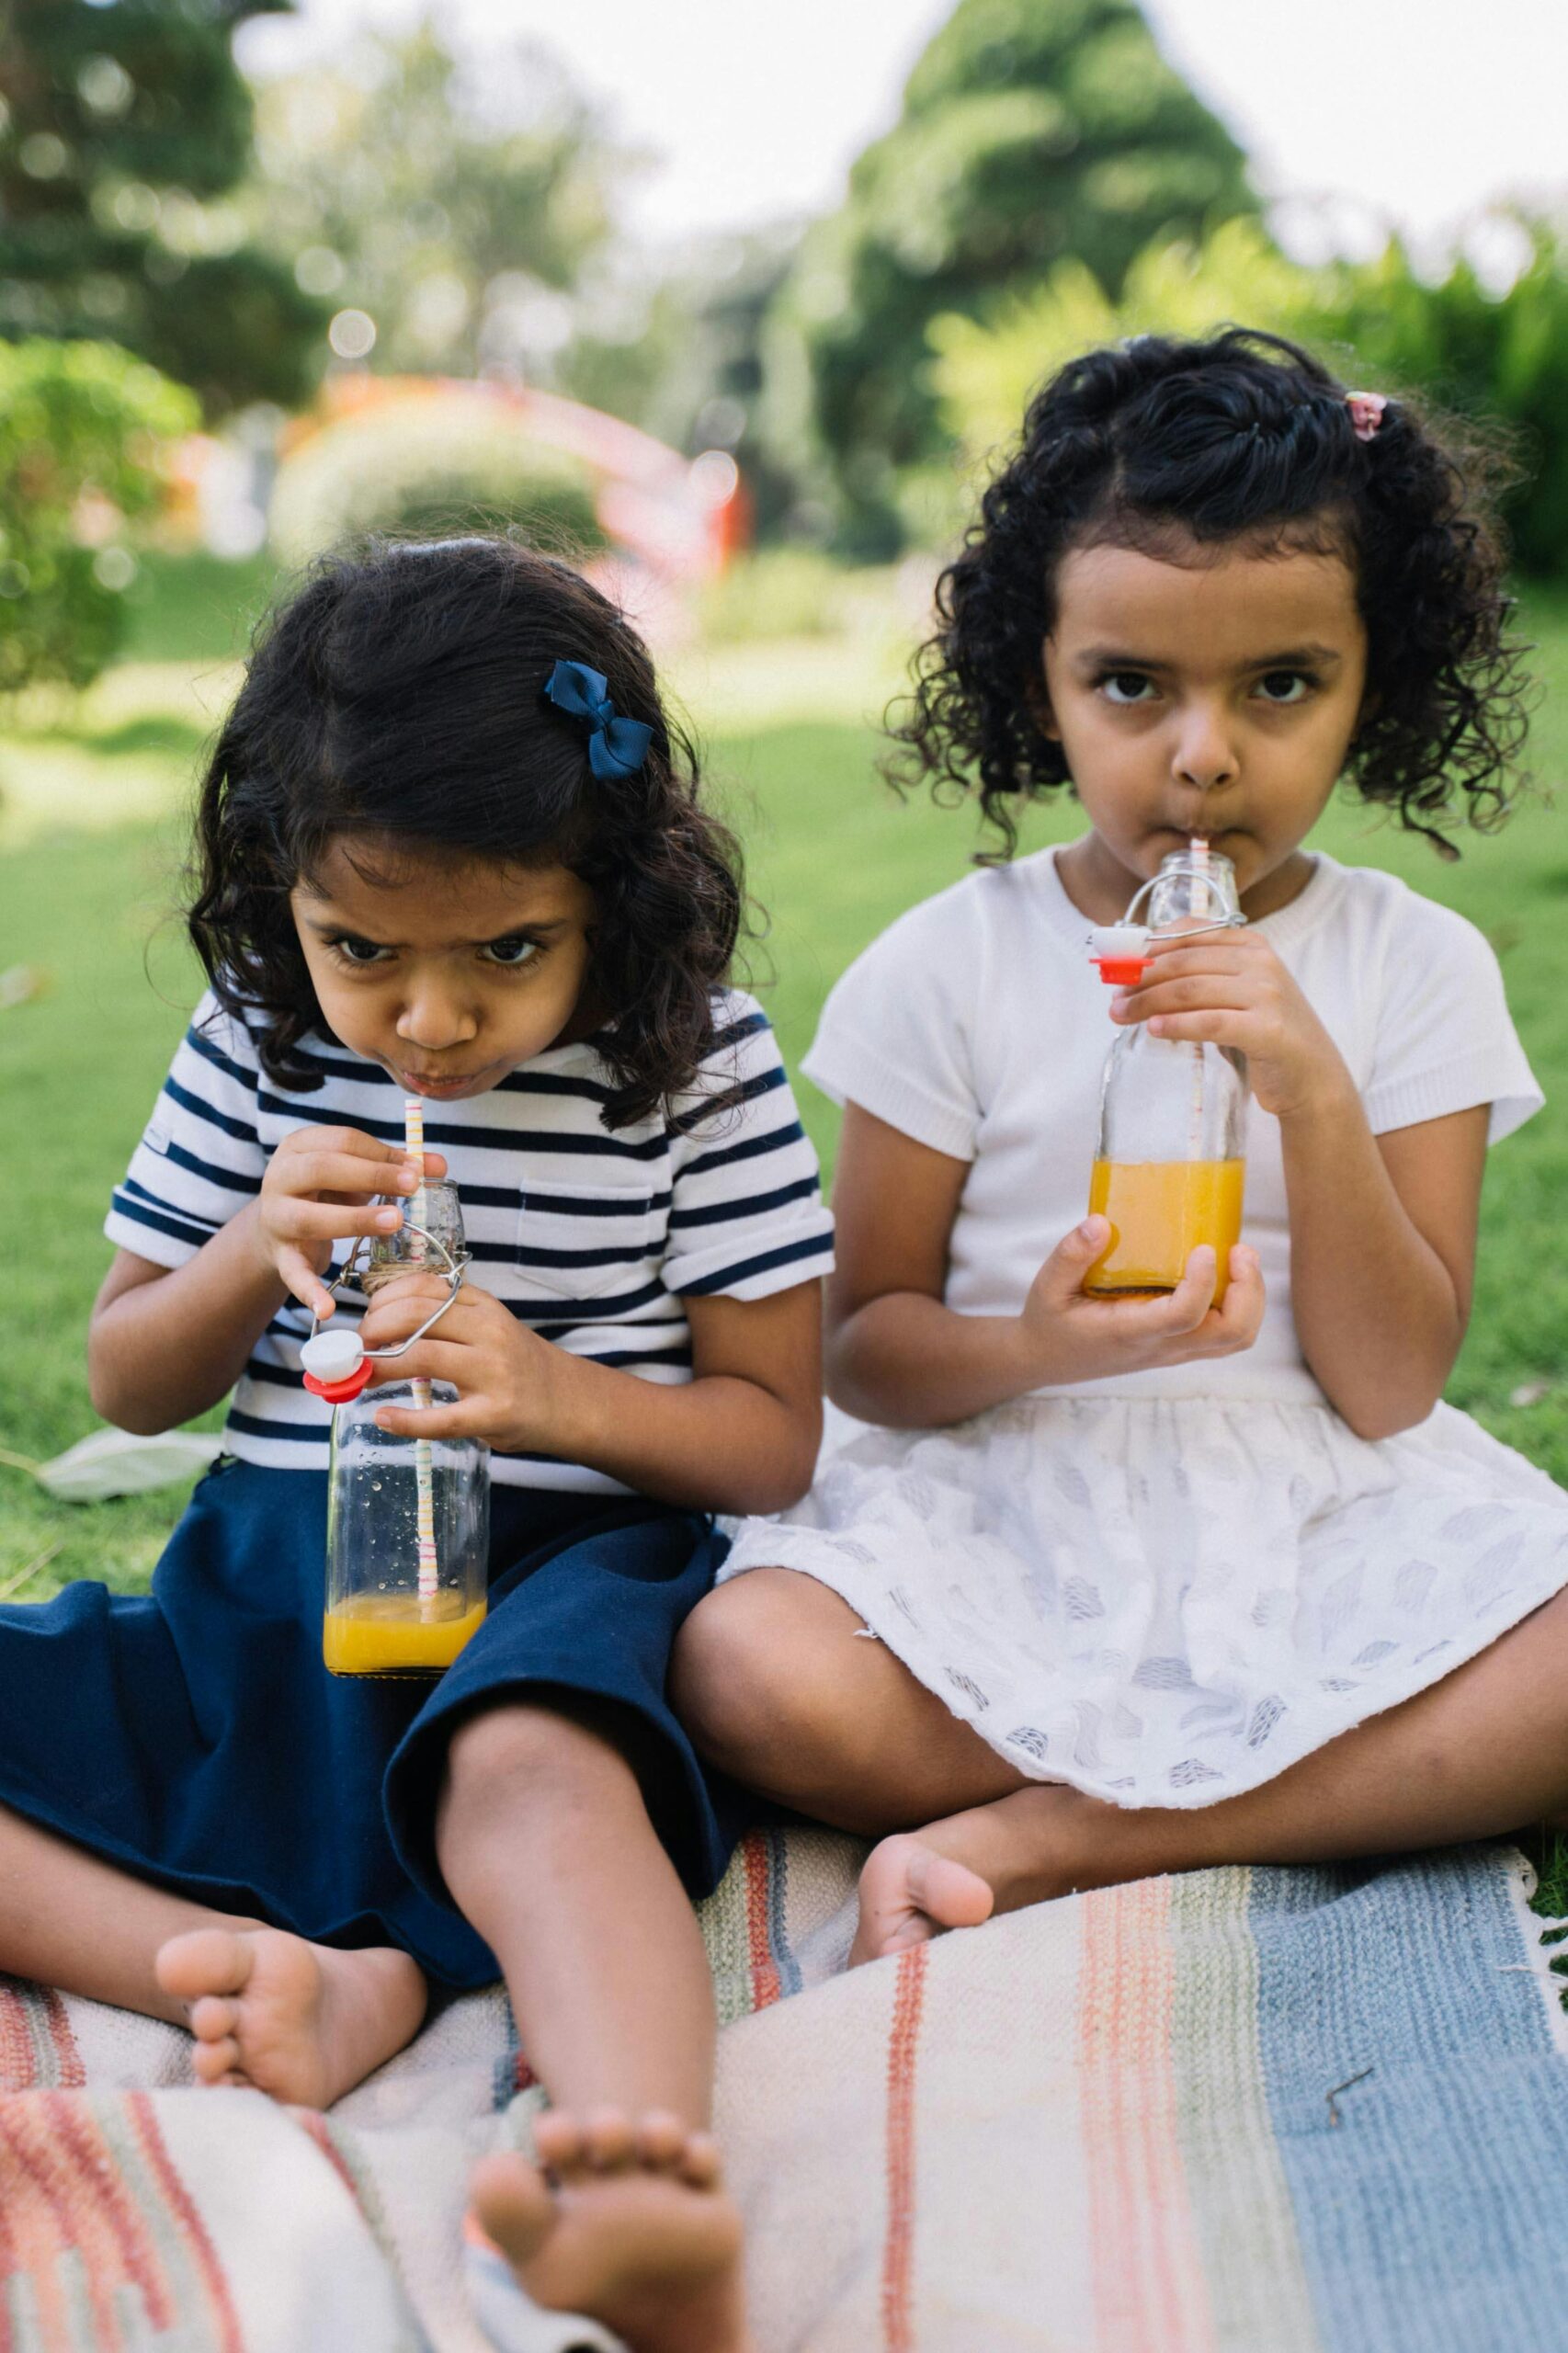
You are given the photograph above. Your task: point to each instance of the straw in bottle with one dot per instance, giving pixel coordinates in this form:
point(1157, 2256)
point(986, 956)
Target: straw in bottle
point(424, 1459)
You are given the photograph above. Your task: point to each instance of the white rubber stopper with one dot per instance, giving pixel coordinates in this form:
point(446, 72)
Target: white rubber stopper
point(333, 1356)
point(1116, 942)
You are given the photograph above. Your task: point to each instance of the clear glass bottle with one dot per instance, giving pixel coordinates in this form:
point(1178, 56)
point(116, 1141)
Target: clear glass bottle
point(382, 1618)
point(1170, 1161)
point(408, 1521)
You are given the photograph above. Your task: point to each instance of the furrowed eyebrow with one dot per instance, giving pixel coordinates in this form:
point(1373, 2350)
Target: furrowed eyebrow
point(327, 926)
point(1292, 657)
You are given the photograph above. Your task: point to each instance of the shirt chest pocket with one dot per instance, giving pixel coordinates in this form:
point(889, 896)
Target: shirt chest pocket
point(588, 1241)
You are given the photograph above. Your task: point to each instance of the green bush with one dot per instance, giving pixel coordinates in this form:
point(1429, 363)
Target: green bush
point(429, 465)
point(81, 430)
point(1495, 358)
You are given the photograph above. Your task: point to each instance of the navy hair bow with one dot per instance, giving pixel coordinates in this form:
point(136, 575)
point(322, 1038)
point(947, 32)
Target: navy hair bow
point(617, 746)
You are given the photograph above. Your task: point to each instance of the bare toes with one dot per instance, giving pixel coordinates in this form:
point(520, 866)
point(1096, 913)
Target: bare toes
point(214, 2060)
point(661, 2140)
point(607, 2139)
point(213, 2017)
point(700, 2161)
point(558, 2139)
point(205, 1961)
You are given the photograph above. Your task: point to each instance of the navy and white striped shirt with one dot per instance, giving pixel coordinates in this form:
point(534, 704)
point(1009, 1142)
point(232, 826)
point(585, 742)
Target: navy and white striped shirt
point(593, 1238)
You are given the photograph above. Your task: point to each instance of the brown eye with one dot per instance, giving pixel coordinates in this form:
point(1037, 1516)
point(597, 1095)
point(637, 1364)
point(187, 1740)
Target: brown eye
point(512, 953)
point(1286, 685)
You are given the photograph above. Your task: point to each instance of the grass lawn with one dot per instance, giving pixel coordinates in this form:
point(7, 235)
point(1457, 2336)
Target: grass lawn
point(91, 838)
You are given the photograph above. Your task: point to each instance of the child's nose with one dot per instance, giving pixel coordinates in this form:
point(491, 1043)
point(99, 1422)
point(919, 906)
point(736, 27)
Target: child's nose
point(1205, 756)
point(434, 1021)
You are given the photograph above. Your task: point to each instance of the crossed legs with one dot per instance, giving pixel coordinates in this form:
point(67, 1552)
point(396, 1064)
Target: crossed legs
point(777, 1683)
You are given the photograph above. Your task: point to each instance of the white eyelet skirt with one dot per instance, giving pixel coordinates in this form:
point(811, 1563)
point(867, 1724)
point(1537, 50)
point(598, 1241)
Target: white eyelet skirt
point(1167, 1601)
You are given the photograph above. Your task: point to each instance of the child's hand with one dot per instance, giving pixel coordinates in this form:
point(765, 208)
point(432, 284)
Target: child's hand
point(1231, 989)
point(1069, 1335)
point(300, 1211)
point(505, 1375)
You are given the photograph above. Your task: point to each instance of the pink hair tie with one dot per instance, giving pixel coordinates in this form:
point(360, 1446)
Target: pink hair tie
point(1366, 412)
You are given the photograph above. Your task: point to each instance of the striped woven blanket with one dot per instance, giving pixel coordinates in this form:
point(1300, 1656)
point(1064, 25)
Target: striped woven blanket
point(1259, 2112)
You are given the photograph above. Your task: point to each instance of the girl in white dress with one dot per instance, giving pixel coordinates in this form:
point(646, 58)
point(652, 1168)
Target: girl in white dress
point(1160, 1583)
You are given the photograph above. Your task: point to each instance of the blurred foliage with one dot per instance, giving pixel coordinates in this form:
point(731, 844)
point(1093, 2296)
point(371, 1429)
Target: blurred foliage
point(783, 592)
point(429, 465)
point(1032, 130)
point(81, 426)
point(986, 370)
point(679, 350)
point(1494, 354)
point(453, 203)
point(122, 128)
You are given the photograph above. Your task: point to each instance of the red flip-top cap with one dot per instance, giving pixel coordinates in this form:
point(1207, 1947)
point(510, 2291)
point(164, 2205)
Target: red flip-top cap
point(1118, 950)
point(335, 1367)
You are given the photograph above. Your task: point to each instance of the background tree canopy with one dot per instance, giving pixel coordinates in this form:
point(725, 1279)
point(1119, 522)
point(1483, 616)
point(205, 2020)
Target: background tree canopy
point(456, 209)
point(123, 129)
point(1032, 130)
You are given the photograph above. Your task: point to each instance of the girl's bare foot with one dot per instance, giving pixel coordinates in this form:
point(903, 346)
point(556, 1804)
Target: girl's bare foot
point(909, 1891)
point(1036, 1842)
point(628, 2223)
point(301, 2021)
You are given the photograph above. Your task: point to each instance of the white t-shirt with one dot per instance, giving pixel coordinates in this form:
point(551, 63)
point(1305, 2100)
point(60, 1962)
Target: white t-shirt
point(977, 1025)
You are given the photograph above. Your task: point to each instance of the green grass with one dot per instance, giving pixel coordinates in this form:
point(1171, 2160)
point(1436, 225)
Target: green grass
point(90, 843)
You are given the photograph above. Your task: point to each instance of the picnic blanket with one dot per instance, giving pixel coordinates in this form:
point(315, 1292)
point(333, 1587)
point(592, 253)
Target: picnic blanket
point(1309, 2111)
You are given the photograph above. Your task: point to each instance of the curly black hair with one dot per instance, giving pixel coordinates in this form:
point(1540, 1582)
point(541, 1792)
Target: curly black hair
point(1240, 436)
point(399, 693)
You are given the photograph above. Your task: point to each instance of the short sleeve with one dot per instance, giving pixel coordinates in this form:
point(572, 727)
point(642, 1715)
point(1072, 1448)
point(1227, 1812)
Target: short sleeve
point(896, 1034)
point(200, 1158)
point(1445, 1041)
point(746, 1212)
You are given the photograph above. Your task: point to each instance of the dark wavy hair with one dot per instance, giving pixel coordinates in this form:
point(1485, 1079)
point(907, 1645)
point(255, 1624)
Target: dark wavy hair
point(398, 694)
point(1243, 435)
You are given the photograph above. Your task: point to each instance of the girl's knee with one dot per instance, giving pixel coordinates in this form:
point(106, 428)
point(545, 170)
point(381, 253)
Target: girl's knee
point(545, 1752)
point(746, 1676)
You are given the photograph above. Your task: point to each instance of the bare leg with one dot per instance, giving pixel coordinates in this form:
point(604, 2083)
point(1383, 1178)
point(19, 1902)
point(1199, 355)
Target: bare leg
point(546, 1848)
point(777, 1682)
point(304, 2022)
point(1473, 1757)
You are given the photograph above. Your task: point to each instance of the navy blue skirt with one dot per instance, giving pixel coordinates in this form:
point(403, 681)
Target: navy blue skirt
point(194, 1737)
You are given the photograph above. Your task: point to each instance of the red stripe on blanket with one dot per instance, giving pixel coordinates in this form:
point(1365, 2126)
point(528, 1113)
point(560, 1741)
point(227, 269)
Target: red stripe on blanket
point(766, 1987)
point(1148, 2282)
point(898, 2252)
point(70, 2073)
point(63, 2193)
point(178, 2199)
point(315, 2125)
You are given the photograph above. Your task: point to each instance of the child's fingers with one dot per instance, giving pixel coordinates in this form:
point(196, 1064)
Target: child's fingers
point(349, 1175)
point(1186, 1306)
point(1061, 1276)
point(301, 1279)
point(1240, 1316)
point(301, 1221)
point(468, 1418)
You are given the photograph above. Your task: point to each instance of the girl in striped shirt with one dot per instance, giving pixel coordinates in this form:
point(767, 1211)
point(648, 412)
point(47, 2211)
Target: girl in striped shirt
point(448, 844)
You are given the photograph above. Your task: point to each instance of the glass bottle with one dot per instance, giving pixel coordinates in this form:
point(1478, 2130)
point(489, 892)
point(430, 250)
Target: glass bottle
point(408, 1521)
point(1170, 1163)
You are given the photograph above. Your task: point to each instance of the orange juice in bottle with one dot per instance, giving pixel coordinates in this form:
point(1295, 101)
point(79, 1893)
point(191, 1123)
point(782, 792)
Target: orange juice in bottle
point(1170, 1163)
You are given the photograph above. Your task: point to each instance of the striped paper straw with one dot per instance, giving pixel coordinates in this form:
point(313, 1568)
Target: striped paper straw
point(424, 1459)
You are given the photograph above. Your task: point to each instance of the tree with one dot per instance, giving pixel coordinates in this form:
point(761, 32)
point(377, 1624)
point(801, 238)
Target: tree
point(1032, 130)
point(452, 205)
point(81, 430)
point(123, 129)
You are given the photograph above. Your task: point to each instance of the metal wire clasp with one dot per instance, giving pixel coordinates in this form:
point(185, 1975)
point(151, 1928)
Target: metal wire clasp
point(451, 1273)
